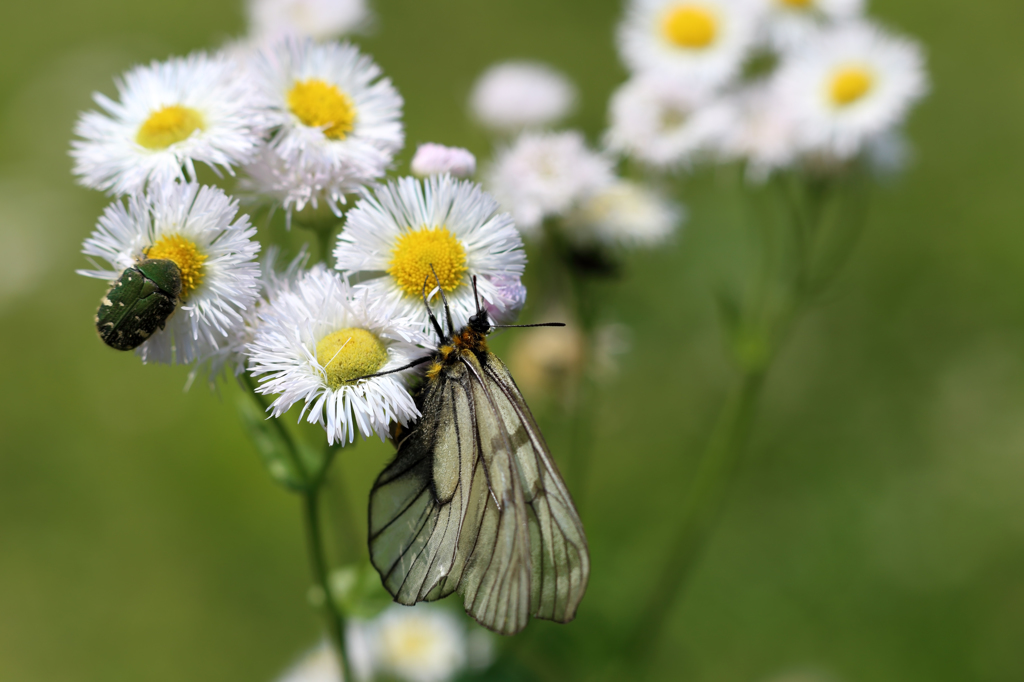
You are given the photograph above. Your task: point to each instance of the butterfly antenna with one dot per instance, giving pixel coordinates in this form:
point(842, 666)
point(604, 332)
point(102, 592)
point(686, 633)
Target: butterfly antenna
point(414, 363)
point(444, 299)
point(539, 324)
point(430, 313)
point(476, 295)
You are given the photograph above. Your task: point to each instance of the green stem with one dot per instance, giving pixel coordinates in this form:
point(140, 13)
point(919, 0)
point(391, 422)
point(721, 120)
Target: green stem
point(323, 240)
point(585, 399)
point(318, 563)
point(714, 479)
point(293, 452)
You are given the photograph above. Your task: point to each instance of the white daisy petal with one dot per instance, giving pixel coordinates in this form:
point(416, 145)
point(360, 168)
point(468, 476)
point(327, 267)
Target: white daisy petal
point(317, 337)
point(703, 42)
point(514, 95)
point(790, 23)
point(848, 85)
point(334, 111)
point(271, 20)
point(401, 233)
point(544, 175)
point(169, 115)
point(198, 228)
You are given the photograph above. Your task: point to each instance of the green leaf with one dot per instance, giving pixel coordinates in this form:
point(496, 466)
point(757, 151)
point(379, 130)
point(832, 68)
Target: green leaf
point(272, 446)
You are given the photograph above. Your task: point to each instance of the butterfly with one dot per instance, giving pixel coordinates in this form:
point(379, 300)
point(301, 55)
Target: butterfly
point(472, 502)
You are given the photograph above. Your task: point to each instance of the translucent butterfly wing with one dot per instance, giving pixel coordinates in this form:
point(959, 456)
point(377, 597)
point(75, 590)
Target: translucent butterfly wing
point(561, 561)
point(448, 514)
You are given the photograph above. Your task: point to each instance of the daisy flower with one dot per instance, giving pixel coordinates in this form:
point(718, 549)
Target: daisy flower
point(663, 123)
point(316, 340)
point(626, 214)
point(401, 234)
point(294, 186)
point(544, 175)
point(515, 95)
point(424, 643)
point(436, 159)
point(198, 228)
point(788, 23)
point(333, 111)
point(169, 115)
point(319, 665)
point(271, 20)
point(849, 85)
point(701, 41)
point(762, 131)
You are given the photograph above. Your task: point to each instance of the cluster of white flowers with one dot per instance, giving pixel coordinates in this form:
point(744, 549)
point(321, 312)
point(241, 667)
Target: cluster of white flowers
point(309, 123)
point(772, 83)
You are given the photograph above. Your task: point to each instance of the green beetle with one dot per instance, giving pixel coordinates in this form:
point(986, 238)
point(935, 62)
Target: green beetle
point(139, 303)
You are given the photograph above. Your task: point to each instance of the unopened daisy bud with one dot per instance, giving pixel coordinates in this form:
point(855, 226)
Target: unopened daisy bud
point(168, 117)
point(436, 159)
point(848, 85)
point(545, 175)
point(701, 42)
point(318, 341)
point(198, 229)
point(515, 95)
point(626, 214)
point(513, 295)
point(271, 20)
point(411, 234)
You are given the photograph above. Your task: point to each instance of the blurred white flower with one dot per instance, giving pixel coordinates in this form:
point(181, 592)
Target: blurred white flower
point(664, 123)
point(198, 228)
point(515, 95)
point(313, 344)
point(762, 131)
point(789, 23)
point(545, 175)
point(403, 234)
point(336, 117)
point(437, 159)
point(702, 42)
point(271, 20)
point(849, 85)
point(169, 116)
point(626, 214)
point(424, 643)
point(318, 665)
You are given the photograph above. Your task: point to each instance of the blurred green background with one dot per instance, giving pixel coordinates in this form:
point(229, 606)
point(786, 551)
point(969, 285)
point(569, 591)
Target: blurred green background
point(877, 533)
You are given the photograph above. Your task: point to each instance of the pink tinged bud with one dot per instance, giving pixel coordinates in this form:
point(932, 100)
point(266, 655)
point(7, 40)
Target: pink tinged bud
point(436, 159)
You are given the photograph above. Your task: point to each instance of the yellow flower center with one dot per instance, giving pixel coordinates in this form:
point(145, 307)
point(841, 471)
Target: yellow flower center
point(690, 26)
point(169, 125)
point(417, 251)
point(185, 255)
point(797, 4)
point(350, 353)
point(850, 84)
point(319, 104)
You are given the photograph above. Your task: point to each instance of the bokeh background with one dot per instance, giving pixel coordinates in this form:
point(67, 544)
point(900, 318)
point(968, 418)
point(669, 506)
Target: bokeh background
point(877, 532)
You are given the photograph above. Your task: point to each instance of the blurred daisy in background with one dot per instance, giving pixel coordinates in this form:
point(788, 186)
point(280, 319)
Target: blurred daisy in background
point(623, 215)
point(420, 644)
point(762, 131)
point(702, 42)
point(271, 20)
point(169, 116)
point(335, 115)
point(403, 234)
point(511, 96)
point(849, 85)
point(198, 228)
point(545, 175)
point(664, 123)
point(437, 159)
point(315, 342)
point(791, 22)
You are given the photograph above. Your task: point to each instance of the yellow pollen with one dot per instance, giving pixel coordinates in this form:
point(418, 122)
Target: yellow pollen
point(319, 104)
point(419, 250)
point(797, 4)
point(849, 84)
point(690, 26)
point(185, 255)
point(169, 125)
point(350, 353)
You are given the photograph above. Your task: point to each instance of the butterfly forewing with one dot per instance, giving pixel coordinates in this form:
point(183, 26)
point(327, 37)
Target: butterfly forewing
point(473, 503)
